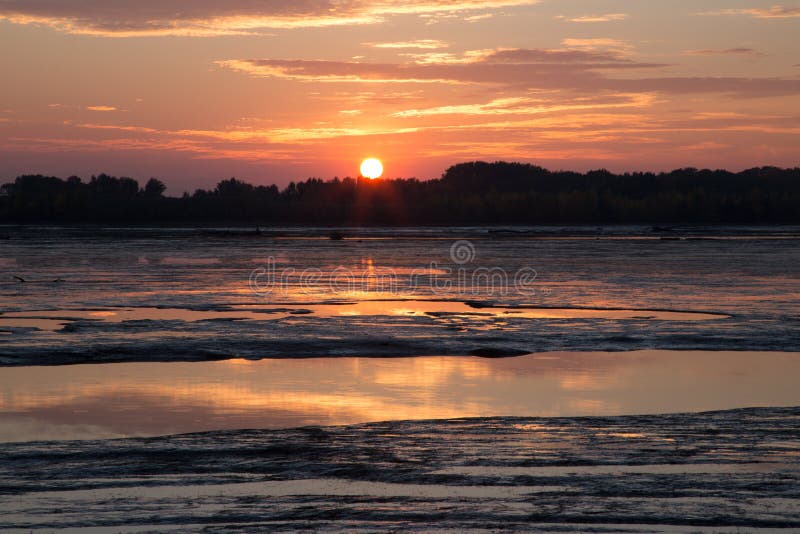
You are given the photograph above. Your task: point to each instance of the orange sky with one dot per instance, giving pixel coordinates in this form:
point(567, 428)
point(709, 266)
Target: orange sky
point(278, 90)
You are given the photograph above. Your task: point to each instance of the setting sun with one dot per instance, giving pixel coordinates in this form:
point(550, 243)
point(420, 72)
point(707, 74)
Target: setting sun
point(371, 168)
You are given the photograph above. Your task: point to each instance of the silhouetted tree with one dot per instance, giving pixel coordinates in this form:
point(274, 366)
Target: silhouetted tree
point(468, 193)
point(154, 188)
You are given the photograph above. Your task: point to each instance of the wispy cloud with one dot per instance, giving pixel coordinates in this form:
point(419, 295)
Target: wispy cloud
point(294, 135)
point(520, 106)
point(499, 106)
point(448, 58)
point(423, 44)
point(202, 18)
point(522, 56)
point(546, 68)
point(724, 52)
point(134, 129)
point(604, 44)
point(328, 71)
point(609, 17)
point(774, 12)
point(270, 135)
point(99, 107)
point(476, 18)
point(641, 134)
point(568, 69)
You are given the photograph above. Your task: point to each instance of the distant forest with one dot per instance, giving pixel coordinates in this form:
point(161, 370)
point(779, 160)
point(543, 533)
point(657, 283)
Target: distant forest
point(467, 193)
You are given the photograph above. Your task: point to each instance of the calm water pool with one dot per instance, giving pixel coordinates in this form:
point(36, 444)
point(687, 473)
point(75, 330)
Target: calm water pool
point(136, 399)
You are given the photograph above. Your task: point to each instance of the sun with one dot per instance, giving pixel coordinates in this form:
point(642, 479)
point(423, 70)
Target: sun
point(371, 168)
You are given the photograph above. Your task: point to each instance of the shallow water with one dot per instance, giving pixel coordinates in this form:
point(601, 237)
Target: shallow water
point(58, 320)
point(141, 399)
point(106, 295)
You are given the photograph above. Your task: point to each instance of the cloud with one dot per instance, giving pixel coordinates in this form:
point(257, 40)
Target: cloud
point(724, 52)
point(328, 71)
point(706, 145)
point(255, 135)
point(515, 56)
point(476, 18)
point(519, 106)
point(210, 17)
point(85, 108)
point(447, 58)
point(595, 18)
point(774, 12)
point(441, 16)
point(604, 44)
point(577, 70)
point(133, 129)
point(251, 144)
point(572, 135)
point(197, 150)
point(510, 67)
point(594, 126)
point(735, 86)
point(423, 44)
point(544, 56)
point(295, 135)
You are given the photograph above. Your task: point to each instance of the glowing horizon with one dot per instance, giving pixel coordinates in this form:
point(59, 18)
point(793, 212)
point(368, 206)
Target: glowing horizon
point(194, 92)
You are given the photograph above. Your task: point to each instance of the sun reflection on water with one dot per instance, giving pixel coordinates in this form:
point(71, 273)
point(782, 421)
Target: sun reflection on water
point(151, 399)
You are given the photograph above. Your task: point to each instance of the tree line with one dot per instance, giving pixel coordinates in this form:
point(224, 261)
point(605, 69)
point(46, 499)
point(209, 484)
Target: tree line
point(466, 194)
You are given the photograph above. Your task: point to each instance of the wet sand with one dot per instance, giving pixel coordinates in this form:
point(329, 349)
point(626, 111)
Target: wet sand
point(709, 472)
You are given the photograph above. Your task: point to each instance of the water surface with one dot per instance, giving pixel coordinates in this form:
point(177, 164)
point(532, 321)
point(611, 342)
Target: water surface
point(139, 399)
point(109, 295)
